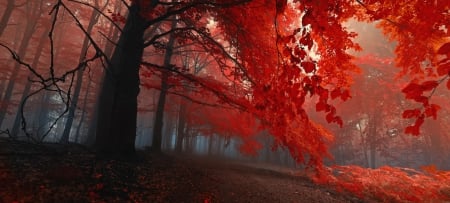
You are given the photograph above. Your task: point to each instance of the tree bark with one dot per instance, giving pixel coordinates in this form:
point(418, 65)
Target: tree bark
point(159, 115)
point(117, 110)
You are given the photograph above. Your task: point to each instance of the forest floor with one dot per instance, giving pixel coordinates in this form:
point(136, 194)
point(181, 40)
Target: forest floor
point(71, 173)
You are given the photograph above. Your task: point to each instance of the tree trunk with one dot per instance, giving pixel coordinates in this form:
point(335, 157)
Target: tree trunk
point(42, 116)
point(29, 30)
point(159, 115)
point(181, 126)
point(6, 15)
point(83, 114)
point(26, 91)
point(113, 36)
point(76, 94)
point(117, 110)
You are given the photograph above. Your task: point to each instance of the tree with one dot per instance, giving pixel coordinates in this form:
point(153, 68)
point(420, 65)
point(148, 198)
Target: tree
point(116, 127)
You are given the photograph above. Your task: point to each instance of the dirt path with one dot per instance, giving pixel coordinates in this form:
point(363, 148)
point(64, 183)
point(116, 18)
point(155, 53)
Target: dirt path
point(56, 173)
point(242, 182)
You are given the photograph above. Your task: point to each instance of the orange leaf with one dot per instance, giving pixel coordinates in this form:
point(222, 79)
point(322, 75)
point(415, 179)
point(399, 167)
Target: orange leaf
point(448, 84)
point(431, 169)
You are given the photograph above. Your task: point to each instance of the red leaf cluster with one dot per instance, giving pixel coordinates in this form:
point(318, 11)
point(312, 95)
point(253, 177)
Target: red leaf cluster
point(415, 92)
point(390, 184)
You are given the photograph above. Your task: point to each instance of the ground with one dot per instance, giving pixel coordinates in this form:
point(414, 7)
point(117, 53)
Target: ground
point(71, 173)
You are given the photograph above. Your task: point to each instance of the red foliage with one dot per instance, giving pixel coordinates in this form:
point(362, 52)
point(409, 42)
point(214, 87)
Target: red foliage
point(444, 49)
point(389, 184)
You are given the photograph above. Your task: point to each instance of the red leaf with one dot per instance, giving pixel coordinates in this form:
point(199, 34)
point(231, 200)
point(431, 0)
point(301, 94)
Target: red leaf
point(411, 113)
point(321, 106)
point(443, 69)
point(330, 117)
point(307, 18)
point(419, 121)
point(422, 99)
point(412, 90)
point(307, 41)
point(429, 85)
point(308, 66)
point(444, 49)
point(413, 130)
point(323, 93)
point(339, 121)
point(300, 52)
point(431, 111)
point(335, 93)
point(448, 84)
point(345, 95)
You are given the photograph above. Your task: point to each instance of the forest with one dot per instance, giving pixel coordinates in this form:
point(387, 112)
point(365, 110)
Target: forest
point(352, 95)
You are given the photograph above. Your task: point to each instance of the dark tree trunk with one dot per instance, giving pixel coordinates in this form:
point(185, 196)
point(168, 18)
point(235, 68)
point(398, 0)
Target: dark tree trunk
point(113, 36)
point(159, 115)
point(117, 110)
point(83, 114)
point(181, 126)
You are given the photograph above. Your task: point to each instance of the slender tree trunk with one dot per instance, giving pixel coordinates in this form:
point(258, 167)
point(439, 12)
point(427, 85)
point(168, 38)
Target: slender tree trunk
point(26, 91)
point(30, 26)
point(76, 93)
point(373, 136)
point(83, 114)
point(29, 30)
point(159, 115)
point(41, 118)
point(210, 144)
point(181, 126)
point(117, 110)
point(6, 15)
point(434, 150)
